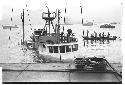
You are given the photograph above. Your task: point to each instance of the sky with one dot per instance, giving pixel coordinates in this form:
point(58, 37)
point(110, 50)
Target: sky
point(100, 10)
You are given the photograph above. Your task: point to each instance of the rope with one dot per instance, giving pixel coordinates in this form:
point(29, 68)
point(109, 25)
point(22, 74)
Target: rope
point(115, 71)
point(22, 71)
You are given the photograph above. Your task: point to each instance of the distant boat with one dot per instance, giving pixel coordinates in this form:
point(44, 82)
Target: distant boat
point(8, 26)
point(66, 24)
point(107, 26)
point(113, 23)
point(88, 24)
point(101, 36)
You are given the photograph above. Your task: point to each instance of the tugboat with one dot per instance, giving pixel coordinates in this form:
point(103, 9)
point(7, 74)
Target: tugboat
point(54, 42)
point(107, 26)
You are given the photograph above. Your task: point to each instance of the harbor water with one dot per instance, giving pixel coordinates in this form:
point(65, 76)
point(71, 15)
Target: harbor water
point(11, 49)
point(13, 76)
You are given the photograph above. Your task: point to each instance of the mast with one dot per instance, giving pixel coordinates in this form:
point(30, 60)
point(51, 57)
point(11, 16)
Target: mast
point(49, 17)
point(58, 27)
point(48, 20)
point(22, 17)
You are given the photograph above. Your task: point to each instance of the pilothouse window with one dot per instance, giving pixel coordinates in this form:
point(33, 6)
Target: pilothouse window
point(68, 48)
point(50, 49)
point(62, 49)
point(37, 32)
point(55, 49)
point(75, 47)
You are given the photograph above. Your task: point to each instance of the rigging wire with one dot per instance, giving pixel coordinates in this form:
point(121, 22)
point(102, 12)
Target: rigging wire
point(28, 16)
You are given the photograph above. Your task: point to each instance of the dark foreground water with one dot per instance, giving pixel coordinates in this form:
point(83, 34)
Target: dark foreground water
point(32, 76)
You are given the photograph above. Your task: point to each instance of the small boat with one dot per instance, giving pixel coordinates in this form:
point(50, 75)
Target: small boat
point(113, 23)
point(9, 26)
point(88, 24)
point(101, 36)
point(96, 63)
point(107, 26)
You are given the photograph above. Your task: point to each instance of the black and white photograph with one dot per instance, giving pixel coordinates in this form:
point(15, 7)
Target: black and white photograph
point(61, 41)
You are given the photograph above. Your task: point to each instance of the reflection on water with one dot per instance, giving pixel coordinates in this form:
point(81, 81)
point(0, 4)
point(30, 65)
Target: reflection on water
point(93, 77)
point(11, 50)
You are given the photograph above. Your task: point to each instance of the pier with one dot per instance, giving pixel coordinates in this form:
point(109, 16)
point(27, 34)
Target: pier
point(55, 72)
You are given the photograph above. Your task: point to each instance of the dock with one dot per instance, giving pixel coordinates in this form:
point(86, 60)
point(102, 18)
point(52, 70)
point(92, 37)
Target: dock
point(55, 72)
